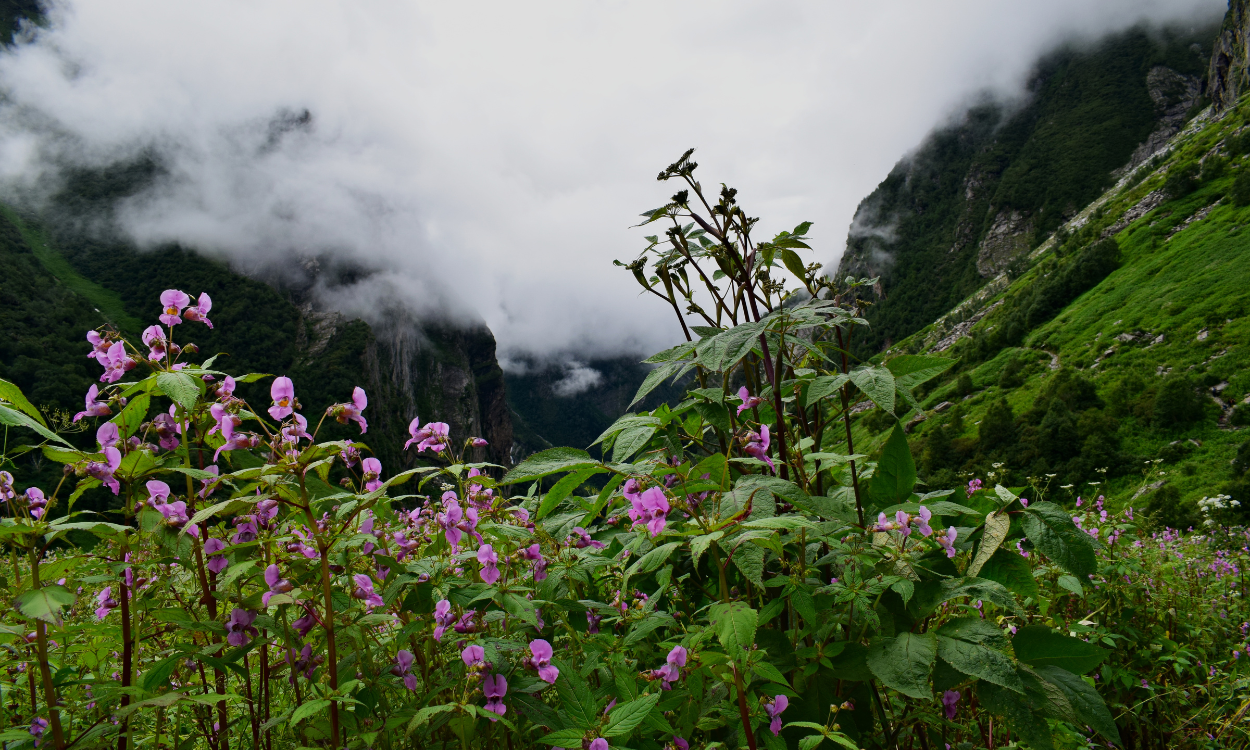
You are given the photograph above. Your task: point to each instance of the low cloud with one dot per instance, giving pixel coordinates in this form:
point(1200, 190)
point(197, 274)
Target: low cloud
point(578, 378)
point(485, 160)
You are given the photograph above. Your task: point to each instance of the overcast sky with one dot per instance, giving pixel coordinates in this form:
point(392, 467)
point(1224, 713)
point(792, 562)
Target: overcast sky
point(489, 158)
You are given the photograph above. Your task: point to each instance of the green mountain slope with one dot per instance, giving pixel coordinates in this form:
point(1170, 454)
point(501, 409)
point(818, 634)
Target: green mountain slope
point(976, 194)
point(1119, 356)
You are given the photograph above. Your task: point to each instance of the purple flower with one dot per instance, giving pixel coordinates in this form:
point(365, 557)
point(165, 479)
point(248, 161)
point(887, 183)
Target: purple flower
point(922, 521)
point(473, 655)
point(283, 394)
point(748, 401)
point(245, 530)
point(480, 443)
point(494, 687)
point(107, 436)
point(213, 549)
point(350, 412)
point(582, 539)
point(443, 617)
point(678, 743)
point(403, 668)
point(116, 363)
point(592, 622)
point(757, 446)
point(651, 509)
point(364, 590)
point(277, 585)
point(540, 659)
point(534, 553)
point(172, 303)
point(167, 430)
point(199, 312)
point(489, 561)
point(37, 727)
point(372, 469)
point(431, 437)
point(947, 540)
point(94, 408)
point(774, 709)
point(153, 338)
point(671, 671)
point(305, 624)
point(226, 421)
point(36, 501)
point(106, 601)
point(598, 743)
point(239, 627)
point(950, 703)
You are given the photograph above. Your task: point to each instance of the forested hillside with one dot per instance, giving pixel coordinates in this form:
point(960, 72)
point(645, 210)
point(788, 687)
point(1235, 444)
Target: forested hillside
point(1115, 362)
point(979, 192)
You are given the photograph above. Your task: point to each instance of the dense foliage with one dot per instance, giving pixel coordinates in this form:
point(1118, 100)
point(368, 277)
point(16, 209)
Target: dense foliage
point(736, 575)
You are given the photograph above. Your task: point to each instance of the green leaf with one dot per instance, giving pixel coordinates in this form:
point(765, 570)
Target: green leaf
point(631, 441)
point(15, 418)
point(794, 264)
point(180, 388)
point(308, 709)
point(627, 716)
point(878, 384)
point(811, 741)
point(129, 418)
point(824, 386)
point(896, 471)
point(45, 603)
point(1020, 718)
point(1039, 646)
point(156, 677)
point(646, 628)
point(564, 738)
point(714, 414)
point(980, 588)
point(699, 545)
point(1084, 699)
point(997, 524)
point(652, 560)
point(547, 462)
point(11, 393)
point(1012, 570)
point(904, 662)
point(1050, 529)
point(1073, 584)
point(910, 370)
point(519, 607)
point(726, 350)
point(564, 487)
point(769, 672)
point(972, 646)
point(654, 379)
point(426, 714)
point(734, 624)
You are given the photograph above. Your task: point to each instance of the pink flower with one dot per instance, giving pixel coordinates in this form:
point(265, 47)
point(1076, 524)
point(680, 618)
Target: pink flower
point(94, 408)
point(99, 346)
point(283, 393)
point(489, 560)
point(116, 363)
point(757, 446)
point(345, 413)
point(213, 549)
point(947, 540)
point(774, 709)
point(36, 501)
point(534, 553)
point(431, 437)
point(37, 727)
point(277, 585)
point(540, 659)
point(922, 521)
point(107, 435)
point(364, 590)
point(478, 442)
point(443, 618)
point(650, 508)
point(494, 688)
point(748, 401)
point(239, 627)
point(671, 671)
point(172, 303)
point(950, 702)
point(473, 656)
point(153, 338)
point(106, 602)
point(403, 668)
point(372, 473)
point(199, 313)
point(598, 743)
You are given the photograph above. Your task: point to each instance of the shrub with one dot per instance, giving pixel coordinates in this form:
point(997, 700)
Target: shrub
point(1240, 191)
point(1177, 404)
point(1181, 180)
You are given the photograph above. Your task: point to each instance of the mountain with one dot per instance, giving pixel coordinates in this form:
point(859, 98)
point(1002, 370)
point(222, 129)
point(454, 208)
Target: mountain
point(979, 192)
point(1109, 356)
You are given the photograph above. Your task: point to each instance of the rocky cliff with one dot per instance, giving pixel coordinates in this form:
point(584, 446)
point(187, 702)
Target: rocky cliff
point(1229, 72)
point(981, 192)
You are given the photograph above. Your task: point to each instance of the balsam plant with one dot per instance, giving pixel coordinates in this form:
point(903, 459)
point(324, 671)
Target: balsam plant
point(728, 573)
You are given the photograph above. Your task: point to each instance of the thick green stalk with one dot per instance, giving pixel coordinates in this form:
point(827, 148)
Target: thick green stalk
point(45, 672)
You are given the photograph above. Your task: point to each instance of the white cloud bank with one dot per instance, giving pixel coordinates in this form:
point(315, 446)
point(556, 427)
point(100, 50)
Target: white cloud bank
point(491, 156)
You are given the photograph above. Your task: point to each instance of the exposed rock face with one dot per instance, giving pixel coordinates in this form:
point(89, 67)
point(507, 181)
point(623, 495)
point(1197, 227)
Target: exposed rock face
point(1174, 96)
point(1009, 235)
point(1227, 77)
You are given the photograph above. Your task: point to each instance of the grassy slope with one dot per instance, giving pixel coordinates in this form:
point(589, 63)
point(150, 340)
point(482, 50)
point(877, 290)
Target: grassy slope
point(1198, 280)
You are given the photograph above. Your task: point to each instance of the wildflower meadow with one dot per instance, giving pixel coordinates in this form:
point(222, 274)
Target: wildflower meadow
point(723, 572)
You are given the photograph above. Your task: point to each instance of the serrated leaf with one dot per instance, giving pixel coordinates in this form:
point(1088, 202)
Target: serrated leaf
point(11, 393)
point(564, 738)
point(877, 383)
point(652, 560)
point(997, 524)
point(626, 717)
point(630, 441)
point(564, 488)
point(1012, 570)
point(979, 660)
point(1052, 532)
point(1020, 718)
point(309, 709)
point(699, 545)
point(130, 417)
point(547, 462)
point(904, 662)
point(180, 388)
point(1039, 646)
point(734, 624)
point(1088, 705)
point(45, 603)
point(895, 477)
point(823, 387)
point(910, 370)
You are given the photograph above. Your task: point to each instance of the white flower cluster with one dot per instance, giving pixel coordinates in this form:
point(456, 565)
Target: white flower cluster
point(1209, 505)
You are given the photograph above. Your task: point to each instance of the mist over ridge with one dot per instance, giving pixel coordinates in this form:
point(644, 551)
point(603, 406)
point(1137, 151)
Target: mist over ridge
point(483, 162)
